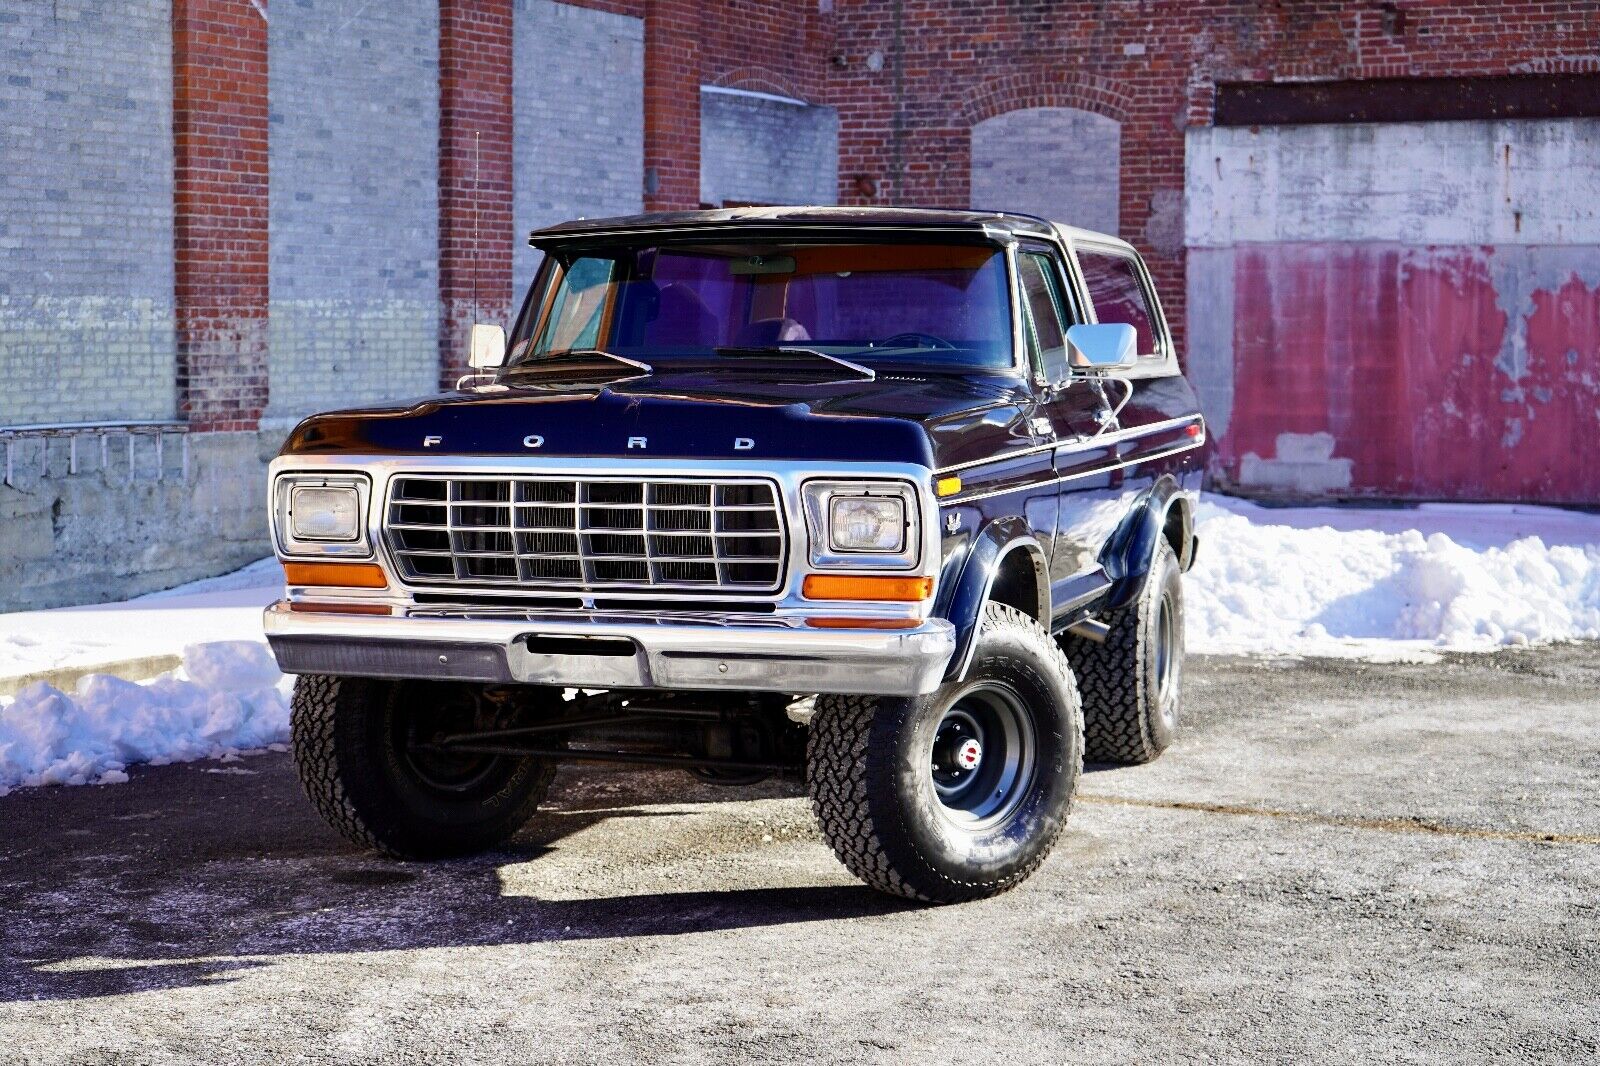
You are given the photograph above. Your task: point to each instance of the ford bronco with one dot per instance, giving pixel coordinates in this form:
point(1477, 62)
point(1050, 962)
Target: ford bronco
point(898, 500)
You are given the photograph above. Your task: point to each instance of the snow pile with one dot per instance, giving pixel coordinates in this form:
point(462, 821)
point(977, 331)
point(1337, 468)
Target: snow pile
point(228, 696)
point(1311, 581)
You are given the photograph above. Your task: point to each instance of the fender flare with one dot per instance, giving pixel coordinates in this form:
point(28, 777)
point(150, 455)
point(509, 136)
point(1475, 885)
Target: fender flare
point(1132, 546)
point(964, 608)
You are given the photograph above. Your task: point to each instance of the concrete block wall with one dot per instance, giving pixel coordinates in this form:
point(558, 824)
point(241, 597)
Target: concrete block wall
point(1060, 163)
point(354, 219)
point(129, 519)
point(86, 233)
point(579, 105)
point(756, 149)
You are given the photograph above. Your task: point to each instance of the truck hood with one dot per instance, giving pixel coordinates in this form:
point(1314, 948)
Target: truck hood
point(694, 413)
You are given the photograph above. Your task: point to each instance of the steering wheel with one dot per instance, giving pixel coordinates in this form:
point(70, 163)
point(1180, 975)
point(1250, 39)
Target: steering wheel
point(922, 340)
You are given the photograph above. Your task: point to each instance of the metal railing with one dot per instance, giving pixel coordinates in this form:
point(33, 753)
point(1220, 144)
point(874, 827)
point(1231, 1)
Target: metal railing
point(101, 438)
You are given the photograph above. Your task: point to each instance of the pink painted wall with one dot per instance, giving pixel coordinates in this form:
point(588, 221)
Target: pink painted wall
point(1403, 310)
point(1433, 381)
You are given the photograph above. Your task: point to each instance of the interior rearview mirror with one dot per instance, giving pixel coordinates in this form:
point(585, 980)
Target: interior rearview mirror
point(488, 346)
point(1102, 346)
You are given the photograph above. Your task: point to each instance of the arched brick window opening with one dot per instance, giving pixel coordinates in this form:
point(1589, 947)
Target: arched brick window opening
point(1062, 163)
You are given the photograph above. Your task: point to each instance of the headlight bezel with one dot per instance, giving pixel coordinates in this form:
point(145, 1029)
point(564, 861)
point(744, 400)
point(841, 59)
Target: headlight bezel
point(290, 545)
point(818, 496)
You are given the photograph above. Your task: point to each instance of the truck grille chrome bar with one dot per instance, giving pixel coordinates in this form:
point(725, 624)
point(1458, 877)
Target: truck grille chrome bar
point(586, 532)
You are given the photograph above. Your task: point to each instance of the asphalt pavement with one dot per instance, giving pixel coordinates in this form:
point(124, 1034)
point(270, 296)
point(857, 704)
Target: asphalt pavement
point(1338, 862)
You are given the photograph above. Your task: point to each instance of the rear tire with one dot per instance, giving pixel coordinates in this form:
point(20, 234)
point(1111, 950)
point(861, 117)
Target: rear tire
point(353, 748)
point(959, 794)
point(1132, 684)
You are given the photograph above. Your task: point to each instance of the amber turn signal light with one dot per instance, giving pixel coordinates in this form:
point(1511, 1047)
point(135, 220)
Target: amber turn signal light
point(336, 575)
point(874, 588)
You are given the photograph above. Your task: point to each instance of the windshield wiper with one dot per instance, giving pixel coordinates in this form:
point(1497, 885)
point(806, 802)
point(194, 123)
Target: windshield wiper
point(778, 349)
point(579, 354)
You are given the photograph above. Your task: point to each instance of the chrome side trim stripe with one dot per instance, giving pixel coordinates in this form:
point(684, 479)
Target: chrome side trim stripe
point(1080, 444)
point(1134, 461)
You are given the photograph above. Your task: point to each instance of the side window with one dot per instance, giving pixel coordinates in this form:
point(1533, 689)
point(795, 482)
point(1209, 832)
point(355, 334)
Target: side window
point(580, 308)
point(1046, 314)
point(1118, 294)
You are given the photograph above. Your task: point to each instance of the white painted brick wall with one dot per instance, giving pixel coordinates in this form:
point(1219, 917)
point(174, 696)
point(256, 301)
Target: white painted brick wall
point(579, 99)
point(86, 276)
point(767, 151)
point(1494, 183)
point(1060, 163)
point(354, 96)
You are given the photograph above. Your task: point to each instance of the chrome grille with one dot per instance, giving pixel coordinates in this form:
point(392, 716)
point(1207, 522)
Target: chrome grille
point(586, 532)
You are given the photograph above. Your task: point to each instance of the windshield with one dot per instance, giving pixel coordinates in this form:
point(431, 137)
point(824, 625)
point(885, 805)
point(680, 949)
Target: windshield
point(931, 305)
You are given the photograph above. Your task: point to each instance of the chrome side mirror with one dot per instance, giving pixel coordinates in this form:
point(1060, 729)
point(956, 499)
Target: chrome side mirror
point(1103, 346)
point(488, 347)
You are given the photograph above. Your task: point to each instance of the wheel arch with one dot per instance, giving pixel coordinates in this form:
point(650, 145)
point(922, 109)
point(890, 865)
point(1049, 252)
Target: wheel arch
point(1164, 513)
point(1008, 564)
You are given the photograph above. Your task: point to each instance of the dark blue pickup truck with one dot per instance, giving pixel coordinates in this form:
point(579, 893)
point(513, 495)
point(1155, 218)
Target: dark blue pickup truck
point(896, 499)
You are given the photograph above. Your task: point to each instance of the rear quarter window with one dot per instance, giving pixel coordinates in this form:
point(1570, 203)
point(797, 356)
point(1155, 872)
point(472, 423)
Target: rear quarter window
point(1117, 290)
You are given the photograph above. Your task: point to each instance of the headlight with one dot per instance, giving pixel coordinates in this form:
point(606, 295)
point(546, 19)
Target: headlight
point(867, 524)
point(322, 514)
point(862, 524)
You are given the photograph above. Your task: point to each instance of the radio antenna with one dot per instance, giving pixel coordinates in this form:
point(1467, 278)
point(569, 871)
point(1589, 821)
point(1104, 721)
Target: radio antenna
point(477, 233)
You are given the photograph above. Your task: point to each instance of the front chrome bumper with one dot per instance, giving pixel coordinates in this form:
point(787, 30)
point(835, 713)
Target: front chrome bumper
point(578, 649)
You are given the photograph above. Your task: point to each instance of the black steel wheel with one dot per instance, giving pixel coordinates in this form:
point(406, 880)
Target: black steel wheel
point(962, 793)
point(368, 757)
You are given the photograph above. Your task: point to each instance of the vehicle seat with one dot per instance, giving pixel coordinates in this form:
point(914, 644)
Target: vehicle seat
point(767, 332)
point(682, 319)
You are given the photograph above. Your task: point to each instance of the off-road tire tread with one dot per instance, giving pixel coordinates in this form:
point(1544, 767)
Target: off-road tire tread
point(838, 754)
point(1112, 680)
point(314, 713)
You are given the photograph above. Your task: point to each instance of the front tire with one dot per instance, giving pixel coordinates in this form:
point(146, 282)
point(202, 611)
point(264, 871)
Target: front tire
point(962, 793)
point(1131, 684)
point(356, 750)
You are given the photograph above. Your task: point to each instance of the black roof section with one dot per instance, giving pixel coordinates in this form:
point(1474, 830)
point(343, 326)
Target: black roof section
point(799, 222)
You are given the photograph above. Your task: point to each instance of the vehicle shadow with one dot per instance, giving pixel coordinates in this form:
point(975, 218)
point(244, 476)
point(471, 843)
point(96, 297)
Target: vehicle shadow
point(187, 878)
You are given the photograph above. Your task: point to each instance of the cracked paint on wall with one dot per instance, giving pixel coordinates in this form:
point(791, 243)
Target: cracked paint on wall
point(1396, 353)
point(1443, 344)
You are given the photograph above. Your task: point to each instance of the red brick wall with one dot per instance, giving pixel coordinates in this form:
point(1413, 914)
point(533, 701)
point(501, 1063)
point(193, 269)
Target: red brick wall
point(948, 64)
point(219, 114)
point(780, 47)
point(671, 105)
point(475, 168)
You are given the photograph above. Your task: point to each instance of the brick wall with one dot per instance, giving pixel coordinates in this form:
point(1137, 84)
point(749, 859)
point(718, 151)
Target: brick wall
point(579, 98)
point(767, 151)
point(671, 104)
point(914, 76)
point(219, 108)
point(1070, 169)
point(86, 276)
point(354, 203)
point(475, 172)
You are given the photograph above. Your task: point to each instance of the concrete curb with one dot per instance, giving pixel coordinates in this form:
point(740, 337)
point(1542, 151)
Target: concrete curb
point(66, 678)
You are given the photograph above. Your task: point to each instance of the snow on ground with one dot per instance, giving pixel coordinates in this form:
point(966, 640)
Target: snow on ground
point(1381, 583)
point(162, 623)
point(1390, 583)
